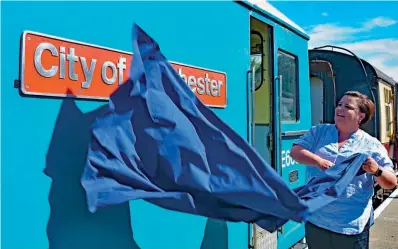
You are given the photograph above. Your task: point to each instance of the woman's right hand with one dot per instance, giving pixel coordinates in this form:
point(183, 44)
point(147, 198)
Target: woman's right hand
point(304, 156)
point(323, 164)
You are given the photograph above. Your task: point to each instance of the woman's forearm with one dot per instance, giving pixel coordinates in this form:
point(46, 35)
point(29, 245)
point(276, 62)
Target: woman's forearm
point(387, 180)
point(303, 156)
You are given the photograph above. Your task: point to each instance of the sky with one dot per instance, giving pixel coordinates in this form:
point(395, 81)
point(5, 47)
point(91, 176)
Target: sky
point(368, 28)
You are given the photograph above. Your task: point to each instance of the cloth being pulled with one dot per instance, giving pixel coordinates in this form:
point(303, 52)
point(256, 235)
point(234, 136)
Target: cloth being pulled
point(160, 143)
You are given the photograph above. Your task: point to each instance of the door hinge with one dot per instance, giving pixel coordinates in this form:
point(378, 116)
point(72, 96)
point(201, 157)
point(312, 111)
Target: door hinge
point(270, 142)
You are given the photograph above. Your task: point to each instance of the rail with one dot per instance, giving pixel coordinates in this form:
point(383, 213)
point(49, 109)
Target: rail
point(293, 133)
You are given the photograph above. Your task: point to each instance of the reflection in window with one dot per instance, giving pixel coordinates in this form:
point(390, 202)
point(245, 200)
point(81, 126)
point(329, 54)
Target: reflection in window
point(387, 103)
point(388, 120)
point(256, 64)
point(287, 67)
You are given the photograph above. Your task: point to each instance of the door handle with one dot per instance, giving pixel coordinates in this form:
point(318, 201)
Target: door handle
point(253, 91)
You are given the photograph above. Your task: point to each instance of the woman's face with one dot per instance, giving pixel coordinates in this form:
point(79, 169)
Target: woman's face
point(347, 115)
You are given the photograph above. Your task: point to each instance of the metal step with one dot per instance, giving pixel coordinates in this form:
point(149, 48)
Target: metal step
point(300, 246)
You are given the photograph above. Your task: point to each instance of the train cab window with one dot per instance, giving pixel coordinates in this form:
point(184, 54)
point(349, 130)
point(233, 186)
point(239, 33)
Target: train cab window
point(388, 119)
point(256, 58)
point(287, 68)
point(388, 116)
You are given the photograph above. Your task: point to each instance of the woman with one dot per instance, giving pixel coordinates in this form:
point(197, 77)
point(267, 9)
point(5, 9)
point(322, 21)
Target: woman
point(345, 223)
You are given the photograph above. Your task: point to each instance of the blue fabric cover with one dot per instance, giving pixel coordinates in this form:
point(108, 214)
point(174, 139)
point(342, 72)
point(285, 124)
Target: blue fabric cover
point(158, 142)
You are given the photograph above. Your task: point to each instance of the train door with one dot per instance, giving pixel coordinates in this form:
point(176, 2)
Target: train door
point(292, 96)
point(264, 125)
point(291, 128)
point(323, 92)
point(316, 101)
point(386, 129)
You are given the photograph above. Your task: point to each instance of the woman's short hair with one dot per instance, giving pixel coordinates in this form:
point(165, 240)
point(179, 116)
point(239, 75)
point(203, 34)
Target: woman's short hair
point(365, 105)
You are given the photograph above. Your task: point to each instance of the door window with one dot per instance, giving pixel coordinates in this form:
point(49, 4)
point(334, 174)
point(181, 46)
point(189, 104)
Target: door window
point(287, 68)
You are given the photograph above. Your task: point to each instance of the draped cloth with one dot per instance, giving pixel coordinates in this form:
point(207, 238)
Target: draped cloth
point(160, 143)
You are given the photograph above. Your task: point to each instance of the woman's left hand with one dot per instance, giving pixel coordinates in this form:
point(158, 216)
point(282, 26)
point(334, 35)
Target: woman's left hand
point(370, 166)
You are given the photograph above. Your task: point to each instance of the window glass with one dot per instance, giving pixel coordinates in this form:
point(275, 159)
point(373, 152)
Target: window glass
point(388, 119)
point(287, 67)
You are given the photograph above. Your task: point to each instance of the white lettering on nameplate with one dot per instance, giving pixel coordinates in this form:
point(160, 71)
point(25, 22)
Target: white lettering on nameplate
point(202, 85)
point(286, 159)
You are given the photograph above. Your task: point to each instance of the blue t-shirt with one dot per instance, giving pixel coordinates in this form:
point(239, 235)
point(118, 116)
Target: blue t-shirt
point(350, 213)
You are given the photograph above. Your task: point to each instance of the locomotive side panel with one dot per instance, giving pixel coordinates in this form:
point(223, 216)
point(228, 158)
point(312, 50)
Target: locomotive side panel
point(47, 137)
